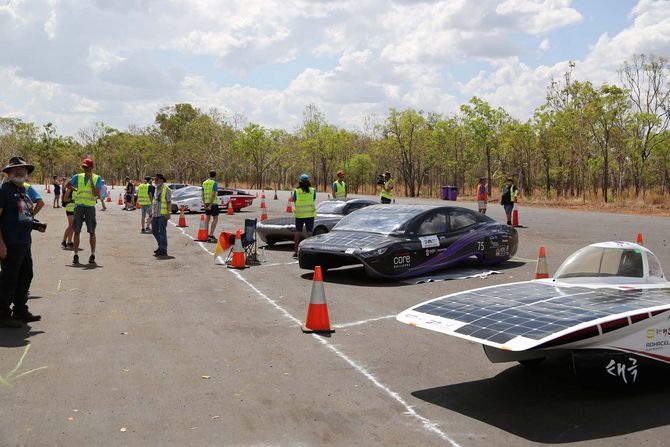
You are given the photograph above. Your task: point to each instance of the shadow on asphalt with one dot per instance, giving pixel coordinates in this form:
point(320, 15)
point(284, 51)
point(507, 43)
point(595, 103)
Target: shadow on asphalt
point(546, 404)
point(86, 266)
point(12, 338)
point(356, 276)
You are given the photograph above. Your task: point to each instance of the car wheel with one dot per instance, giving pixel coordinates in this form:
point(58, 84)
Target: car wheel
point(270, 242)
point(319, 230)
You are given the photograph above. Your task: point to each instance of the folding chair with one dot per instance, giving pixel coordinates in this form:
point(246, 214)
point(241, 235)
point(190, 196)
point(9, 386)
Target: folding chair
point(248, 243)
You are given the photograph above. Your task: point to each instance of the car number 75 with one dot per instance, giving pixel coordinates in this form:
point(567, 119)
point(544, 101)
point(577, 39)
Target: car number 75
point(480, 246)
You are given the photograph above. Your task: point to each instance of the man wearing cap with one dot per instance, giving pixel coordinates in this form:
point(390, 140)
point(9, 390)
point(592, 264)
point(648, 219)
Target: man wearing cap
point(160, 211)
point(145, 195)
point(87, 184)
point(339, 187)
point(16, 224)
point(304, 197)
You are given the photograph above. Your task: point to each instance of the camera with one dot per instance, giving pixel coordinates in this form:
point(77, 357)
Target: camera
point(380, 179)
point(39, 226)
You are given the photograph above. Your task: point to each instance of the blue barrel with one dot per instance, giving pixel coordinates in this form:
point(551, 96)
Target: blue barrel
point(453, 193)
point(444, 192)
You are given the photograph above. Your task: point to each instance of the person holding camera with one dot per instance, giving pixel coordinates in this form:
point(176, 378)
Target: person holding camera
point(387, 186)
point(16, 225)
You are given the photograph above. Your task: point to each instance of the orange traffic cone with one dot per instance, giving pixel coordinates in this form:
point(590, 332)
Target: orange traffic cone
point(202, 231)
point(515, 218)
point(541, 271)
point(317, 313)
point(238, 261)
point(263, 201)
point(275, 198)
point(182, 218)
point(109, 198)
point(639, 239)
point(120, 202)
point(264, 215)
point(230, 209)
point(289, 208)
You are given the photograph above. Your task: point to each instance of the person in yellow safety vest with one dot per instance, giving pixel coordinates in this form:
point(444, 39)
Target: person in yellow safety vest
point(339, 187)
point(160, 211)
point(210, 199)
point(88, 185)
point(145, 195)
point(304, 198)
point(68, 203)
point(508, 197)
point(386, 194)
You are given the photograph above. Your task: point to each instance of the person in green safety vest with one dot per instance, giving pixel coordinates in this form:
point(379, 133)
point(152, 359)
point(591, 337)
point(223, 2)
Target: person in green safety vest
point(210, 199)
point(145, 195)
point(161, 214)
point(304, 211)
point(339, 187)
point(508, 197)
point(88, 185)
point(68, 203)
point(386, 193)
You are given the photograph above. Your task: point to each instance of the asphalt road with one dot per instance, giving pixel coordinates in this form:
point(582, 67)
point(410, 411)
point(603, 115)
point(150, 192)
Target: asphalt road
point(185, 352)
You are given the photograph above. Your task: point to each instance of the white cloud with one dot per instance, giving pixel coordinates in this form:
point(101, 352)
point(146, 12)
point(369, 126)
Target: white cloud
point(119, 61)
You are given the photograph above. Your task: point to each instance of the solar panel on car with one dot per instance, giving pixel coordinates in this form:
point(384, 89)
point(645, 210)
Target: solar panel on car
point(533, 311)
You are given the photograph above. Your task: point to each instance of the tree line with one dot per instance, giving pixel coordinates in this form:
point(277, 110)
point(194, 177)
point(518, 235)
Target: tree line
point(584, 140)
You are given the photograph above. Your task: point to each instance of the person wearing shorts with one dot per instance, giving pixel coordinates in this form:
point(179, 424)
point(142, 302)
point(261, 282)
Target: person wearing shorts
point(210, 192)
point(482, 195)
point(56, 185)
point(130, 193)
point(68, 204)
point(304, 198)
point(145, 196)
point(88, 185)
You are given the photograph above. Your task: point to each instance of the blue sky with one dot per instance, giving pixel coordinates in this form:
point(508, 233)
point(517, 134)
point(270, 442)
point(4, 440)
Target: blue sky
point(75, 63)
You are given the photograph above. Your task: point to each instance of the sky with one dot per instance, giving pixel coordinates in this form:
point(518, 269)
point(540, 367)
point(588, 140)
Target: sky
point(76, 63)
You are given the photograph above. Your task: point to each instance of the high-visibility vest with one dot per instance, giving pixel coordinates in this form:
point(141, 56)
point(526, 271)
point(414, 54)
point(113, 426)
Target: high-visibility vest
point(386, 193)
point(71, 204)
point(163, 195)
point(85, 195)
point(143, 194)
point(304, 204)
point(207, 190)
point(341, 189)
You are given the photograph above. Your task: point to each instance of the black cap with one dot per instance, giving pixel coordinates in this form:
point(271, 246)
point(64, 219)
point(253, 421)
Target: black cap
point(147, 178)
point(159, 176)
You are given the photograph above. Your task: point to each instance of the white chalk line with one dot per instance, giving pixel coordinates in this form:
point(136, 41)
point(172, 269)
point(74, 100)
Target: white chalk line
point(409, 410)
point(358, 323)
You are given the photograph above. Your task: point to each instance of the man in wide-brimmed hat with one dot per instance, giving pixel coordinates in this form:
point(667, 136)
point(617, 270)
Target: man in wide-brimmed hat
point(88, 185)
point(16, 224)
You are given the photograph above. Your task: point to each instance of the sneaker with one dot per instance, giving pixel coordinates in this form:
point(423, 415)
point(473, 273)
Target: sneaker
point(26, 317)
point(295, 255)
point(75, 260)
point(70, 244)
point(9, 322)
point(143, 230)
point(211, 239)
point(157, 250)
point(91, 259)
point(160, 253)
point(63, 244)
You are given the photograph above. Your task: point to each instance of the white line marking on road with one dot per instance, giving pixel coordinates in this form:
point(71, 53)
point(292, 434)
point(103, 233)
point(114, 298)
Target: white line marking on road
point(357, 323)
point(409, 410)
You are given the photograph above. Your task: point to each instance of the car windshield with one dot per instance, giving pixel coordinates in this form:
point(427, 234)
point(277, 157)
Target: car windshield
point(186, 192)
point(382, 219)
point(331, 207)
point(600, 262)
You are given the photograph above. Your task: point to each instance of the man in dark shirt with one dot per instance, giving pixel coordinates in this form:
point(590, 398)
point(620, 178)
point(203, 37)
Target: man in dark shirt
point(16, 224)
point(130, 193)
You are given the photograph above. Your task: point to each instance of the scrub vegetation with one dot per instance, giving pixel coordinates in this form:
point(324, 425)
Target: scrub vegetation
point(587, 143)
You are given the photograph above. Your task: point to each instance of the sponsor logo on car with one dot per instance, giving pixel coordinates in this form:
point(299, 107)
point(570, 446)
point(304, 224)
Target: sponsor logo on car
point(402, 260)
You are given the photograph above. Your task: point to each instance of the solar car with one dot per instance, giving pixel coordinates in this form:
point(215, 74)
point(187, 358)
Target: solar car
point(400, 241)
point(328, 214)
point(608, 306)
point(191, 199)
